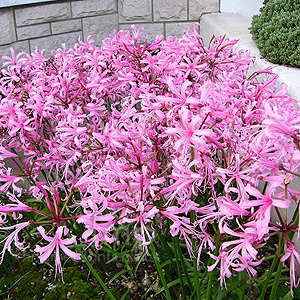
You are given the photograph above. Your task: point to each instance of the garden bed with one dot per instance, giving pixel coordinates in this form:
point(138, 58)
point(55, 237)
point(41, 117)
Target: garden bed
point(159, 148)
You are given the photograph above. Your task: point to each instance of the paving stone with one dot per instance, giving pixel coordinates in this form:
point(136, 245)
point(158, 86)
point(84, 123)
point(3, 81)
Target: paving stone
point(176, 29)
point(135, 10)
point(168, 10)
point(87, 8)
point(17, 46)
point(7, 32)
point(32, 31)
point(100, 27)
point(42, 13)
point(198, 7)
point(152, 30)
point(55, 41)
point(66, 26)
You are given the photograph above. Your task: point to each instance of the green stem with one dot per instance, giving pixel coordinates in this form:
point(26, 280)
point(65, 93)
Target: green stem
point(7, 269)
point(176, 246)
point(271, 270)
point(244, 276)
point(210, 276)
point(160, 272)
point(296, 222)
point(275, 283)
point(183, 263)
point(193, 218)
point(66, 203)
point(195, 265)
point(84, 258)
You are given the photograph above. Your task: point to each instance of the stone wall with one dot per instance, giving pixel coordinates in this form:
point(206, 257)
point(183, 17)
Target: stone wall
point(48, 25)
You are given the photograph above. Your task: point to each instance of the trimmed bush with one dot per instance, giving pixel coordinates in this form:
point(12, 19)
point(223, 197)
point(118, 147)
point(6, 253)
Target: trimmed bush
point(276, 32)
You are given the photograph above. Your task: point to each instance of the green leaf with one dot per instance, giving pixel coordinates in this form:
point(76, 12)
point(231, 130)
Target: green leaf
point(139, 262)
point(160, 272)
point(127, 292)
point(19, 279)
point(239, 293)
point(228, 290)
point(288, 296)
point(108, 292)
point(117, 275)
point(170, 284)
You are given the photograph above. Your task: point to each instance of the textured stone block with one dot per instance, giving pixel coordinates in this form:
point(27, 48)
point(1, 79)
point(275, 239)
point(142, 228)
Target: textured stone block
point(7, 28)
point(42, 13)
point(152, 30)
point(168, 10)
point(176, 29)
point(87, 8)
point(27, 32)
point(66, 26)
point(198, 7)
point(135, 10)
point(100, 27)
point(55, 41)
point(17, 46)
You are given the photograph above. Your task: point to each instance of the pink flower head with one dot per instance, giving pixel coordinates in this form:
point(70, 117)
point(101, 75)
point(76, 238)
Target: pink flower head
point(95, 221)
point(279, 123)
point(13, 237)
point(55, 243)
point(294, 257)
point(144, 217)
point(265, 202)
point(10, 181)
point(224, 265)
point(181, 225)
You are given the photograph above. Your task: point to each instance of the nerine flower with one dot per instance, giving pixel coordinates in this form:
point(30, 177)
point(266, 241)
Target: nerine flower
point(265, 202)
point(56, 243)
point(292, 254)
point(138, 130)
point(13, 237)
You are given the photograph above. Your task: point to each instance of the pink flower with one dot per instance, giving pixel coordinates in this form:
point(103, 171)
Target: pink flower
point(14, 207)
point(246, 264)
point(207, 242)
point(265, 202)
point(10, 181)
point(143, 216)
point(280, 123)
point(238, 175)
point(95, 221)
point(14, 61)
point(4, 153)
point(8, 208)
point(56, 243)
point(13, 237)
point(243, 243)
point(294, 256)
point(111, 137)
point(187, 132)
point(181, 225)
point(224, 265)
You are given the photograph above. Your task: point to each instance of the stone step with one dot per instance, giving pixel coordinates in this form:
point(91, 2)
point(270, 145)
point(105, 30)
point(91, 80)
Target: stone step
point(237, 27)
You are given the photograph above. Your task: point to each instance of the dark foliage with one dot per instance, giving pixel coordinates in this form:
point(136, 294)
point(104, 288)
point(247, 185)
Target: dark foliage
point(276, 31)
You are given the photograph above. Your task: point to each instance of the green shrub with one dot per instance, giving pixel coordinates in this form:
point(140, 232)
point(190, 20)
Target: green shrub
point(276, 31)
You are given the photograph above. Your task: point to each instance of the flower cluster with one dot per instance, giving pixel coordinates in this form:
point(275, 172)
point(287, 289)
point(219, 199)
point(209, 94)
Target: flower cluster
point(138, 133)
